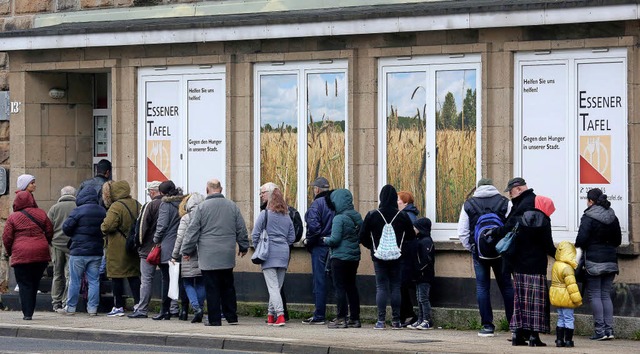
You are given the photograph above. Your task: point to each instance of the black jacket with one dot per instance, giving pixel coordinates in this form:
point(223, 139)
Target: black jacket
point(83, 225)
point(599, 235)
point(319, 219)
point(146, 226)
point(425, 252)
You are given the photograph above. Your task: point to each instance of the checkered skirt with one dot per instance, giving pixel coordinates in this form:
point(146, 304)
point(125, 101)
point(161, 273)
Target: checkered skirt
point(531, 303)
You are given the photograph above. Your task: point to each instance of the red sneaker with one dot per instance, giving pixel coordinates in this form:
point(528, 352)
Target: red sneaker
point(280, 321)
point(271, 319)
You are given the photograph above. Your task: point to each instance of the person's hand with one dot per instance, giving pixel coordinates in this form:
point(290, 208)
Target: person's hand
point(186, 258)
point(173, 261)
point(241, 253)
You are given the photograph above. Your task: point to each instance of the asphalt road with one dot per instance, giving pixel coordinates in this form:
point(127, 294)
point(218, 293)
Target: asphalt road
point(31, 345)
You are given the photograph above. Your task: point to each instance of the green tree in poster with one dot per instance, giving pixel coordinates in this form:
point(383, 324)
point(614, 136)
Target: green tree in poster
point(449, 112)
point(468, 114)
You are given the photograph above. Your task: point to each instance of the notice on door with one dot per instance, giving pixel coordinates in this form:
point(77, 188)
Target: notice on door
point(162, 124)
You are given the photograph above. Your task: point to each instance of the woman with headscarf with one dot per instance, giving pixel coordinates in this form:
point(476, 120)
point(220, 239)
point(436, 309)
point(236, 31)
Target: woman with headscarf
point(26, 238)
point(388, 272)
point(165, 236)
point(189, 271)
point(122, 212)
point(599, 235)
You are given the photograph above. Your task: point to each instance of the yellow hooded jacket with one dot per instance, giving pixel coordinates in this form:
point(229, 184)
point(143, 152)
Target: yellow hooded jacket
point(564, 291)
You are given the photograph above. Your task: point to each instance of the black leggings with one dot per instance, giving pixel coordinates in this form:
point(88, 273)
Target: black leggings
point(28, 277)
point(118, 290)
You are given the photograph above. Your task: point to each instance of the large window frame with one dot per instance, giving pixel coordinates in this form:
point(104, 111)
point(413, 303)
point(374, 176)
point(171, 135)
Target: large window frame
point(301, 70)
point(430, 65)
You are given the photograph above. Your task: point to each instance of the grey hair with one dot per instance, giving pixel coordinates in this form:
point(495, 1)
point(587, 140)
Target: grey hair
point(269, 187)
point(68, 190)
point(323, 189)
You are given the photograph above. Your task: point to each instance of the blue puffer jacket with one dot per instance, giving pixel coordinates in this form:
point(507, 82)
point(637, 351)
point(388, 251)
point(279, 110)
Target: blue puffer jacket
point(83, 225)
point(319, 218)
point(345, 239)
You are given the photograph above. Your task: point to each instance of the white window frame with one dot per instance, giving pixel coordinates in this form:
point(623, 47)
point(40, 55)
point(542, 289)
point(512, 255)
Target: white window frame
point(430, 65)
point(571, 58)
point(301, 69)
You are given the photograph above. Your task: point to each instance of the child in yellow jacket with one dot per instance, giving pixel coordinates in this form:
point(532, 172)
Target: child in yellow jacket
point(564, 293)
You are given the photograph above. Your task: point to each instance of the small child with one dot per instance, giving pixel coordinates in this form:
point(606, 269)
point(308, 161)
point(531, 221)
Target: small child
point(564, 293)
point(425, 273)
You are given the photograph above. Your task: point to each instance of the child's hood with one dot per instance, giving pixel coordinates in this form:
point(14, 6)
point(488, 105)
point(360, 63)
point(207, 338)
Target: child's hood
point(566, 253)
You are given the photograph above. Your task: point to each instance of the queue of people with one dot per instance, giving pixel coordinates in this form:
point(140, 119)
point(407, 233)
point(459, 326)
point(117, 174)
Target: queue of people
point(89, 233)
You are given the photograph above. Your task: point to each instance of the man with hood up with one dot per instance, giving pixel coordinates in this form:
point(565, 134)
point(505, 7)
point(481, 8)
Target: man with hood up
point(486, 199)
point(388, 273)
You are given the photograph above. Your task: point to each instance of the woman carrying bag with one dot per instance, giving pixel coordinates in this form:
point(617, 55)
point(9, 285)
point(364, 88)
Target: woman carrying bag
point(276, 221)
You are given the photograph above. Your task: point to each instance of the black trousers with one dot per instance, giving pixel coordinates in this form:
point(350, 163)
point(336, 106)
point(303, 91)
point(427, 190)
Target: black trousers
point(118, 290)
point(346, 290)
point(221, 292)
point(407, 289)
point(28, 276)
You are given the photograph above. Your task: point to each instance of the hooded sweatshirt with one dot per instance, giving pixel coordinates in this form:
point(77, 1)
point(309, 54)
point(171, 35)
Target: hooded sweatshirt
point(564, 291)
point(344, 240)
point(486, 197)
point(425, 252)
point(599, 235)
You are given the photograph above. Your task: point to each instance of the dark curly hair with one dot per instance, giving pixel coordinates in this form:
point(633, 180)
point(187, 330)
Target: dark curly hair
point(598, 198)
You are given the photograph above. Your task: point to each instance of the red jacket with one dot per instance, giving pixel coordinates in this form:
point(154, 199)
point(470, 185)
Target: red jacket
point(24, 240)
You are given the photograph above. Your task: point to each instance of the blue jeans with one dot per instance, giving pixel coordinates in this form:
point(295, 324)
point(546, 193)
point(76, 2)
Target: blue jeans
point(388, 282)
point(319, 255)
point(565, 317)
point(195, 291)
point(483, 288)
point(424, 305)
point(89, 265)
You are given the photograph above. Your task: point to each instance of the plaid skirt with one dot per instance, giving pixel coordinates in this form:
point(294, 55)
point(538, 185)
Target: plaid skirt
point(531, 304)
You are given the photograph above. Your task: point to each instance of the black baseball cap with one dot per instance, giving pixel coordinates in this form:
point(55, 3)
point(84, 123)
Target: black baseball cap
point(321, 182)
point(515, 182)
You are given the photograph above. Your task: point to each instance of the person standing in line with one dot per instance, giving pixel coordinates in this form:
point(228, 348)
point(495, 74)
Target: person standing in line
point(564, 293)
point(388, 272)
point(166, 232)
point(275, 219)
point(189, 272)
point(145, 229)
point(425, 273)
point(599, 236)
point(344, 255)
point(215, 228)
point(407, 289)
point(486, 199)
point(265, 192)
point(319, 219)
point(59, 249)
point(121, 215)
point(86, 247)
point(26, 237)
point(103, 175)
point(26, 183)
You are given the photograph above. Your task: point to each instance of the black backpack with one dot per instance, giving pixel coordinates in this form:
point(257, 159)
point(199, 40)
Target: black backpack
point(132, 244)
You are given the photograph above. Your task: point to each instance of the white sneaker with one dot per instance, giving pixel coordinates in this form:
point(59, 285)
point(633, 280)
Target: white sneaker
point(61, 310)
point(116, 312)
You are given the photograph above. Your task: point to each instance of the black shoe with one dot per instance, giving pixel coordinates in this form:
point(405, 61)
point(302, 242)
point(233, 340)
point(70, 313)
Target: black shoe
point(137, 315)
point(568, 337)
point(184, 315)
point(607, 332)
point(313, 321)
point(27, 318)
point(197, 316)
point(486, 331)
point(162, 316)
point(599, 337)
point(355, 324)
point(217, 324)
point(338, 323)
point(406, 323)
point(517, 338)
point(534, 340)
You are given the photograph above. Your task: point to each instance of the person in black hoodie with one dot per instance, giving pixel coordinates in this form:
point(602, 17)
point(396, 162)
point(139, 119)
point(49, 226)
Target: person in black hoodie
point(424, 272)
point(599, 235)
point(388, 273)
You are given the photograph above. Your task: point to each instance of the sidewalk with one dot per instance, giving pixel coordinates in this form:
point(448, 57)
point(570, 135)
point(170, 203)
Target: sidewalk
point(252, 334)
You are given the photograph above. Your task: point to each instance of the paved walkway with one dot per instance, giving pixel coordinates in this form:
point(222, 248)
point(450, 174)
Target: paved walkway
point(252, 334)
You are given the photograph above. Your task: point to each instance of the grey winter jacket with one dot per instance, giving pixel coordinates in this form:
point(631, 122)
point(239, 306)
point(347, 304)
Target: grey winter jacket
point(188, 269)
point(167, 226)
point(281, 234)
point(215, 228)
point(58, 214)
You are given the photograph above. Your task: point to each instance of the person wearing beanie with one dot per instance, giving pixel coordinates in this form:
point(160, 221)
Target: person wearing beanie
point(26, 183)
point(424, 273)
point(599, 236)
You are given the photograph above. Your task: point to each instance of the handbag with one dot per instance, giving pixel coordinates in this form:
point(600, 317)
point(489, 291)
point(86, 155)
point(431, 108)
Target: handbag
point(506, 245)
point(261, 253)
point(154, 256)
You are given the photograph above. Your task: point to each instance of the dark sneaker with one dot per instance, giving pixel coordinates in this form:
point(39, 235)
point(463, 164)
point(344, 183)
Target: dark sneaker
point(609, 334)
point(599, 337)
point(313, 321)
point(486, 331)
point(424, 325)
point(396, 325)
point(414, 325)
point(355, 324)
point(137, 315)
point(379, 325)
point(338, 323)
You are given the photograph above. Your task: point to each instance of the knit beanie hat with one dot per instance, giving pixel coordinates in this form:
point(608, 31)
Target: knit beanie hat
point(23, 181)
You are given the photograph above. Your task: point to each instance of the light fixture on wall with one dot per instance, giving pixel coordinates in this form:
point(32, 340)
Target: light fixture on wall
point(57, 93)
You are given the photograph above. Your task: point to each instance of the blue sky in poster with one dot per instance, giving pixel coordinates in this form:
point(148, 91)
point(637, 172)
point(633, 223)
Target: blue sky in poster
point(325, 98)
point(455, 81)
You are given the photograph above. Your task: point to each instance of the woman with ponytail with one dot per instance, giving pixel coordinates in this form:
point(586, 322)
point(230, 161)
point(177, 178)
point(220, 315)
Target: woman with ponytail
point(599, 236)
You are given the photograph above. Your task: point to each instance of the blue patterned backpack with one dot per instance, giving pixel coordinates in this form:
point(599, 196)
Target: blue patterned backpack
point(388, 249)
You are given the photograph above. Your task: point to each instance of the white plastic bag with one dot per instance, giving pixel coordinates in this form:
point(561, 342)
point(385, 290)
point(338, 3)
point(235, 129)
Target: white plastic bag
point(174, 275)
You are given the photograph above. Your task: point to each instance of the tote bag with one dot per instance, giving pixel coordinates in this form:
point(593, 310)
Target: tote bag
point(174, 275)
point(261, 253)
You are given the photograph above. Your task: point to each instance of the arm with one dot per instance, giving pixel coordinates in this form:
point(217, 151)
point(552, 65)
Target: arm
point(572, 287)
point(8, 236)
point(298, 227)
point(337, 228)
point(111, 221)
point(463, 229)
point(258, 226)
point(314, 224)
point(365, 232)
point(241, 234)
point(192, 234)
point(163, 221)
point(291, 236)
point(583, 232)
point(616, 237)
point(69, 226)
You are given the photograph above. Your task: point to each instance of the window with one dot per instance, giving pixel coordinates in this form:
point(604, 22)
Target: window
point(429, 122)
point(570, 131)
point(301, 125)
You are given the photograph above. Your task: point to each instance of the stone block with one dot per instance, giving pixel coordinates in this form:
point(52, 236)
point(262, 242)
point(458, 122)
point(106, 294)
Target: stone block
point(43, 185)
point(5, 7)
point(431, 38)
point(63, 5)
point(365, 75)
point(179, 61)
point(499, 36)
point(39, 84)
point(6, 205)
point(423, 50)
point(534, 45)
point(275, 46)
point(53, 151)
point(500, 70)
point(92, 64)
point(61, 177)
point(502, 151)
point(158, 51)
point(84, 120)
point(32, 6)
point(4, 80)
point(182, 49)
point(364, 146)
point(153, 62)
point(499, 107)
point(17, 151)
point(302, 44)
point(4, 130)
point(634, 175)
point(62, 120)
point(67, 65)
point(80, 90)
point(90, 4)
point(241, 114)
point(96, 53)
point(365, 111)
point(32, 119)
point(210, 48)
point(241, 152)
point(294, 56)
point(242, 84)
point(5, 153)
point(210, 59)
point(4, 60)
point(18, 23)
point(32, 152)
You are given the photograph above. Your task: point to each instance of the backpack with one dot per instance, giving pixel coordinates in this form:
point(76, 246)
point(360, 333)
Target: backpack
point(388, 249)
point(488, 220)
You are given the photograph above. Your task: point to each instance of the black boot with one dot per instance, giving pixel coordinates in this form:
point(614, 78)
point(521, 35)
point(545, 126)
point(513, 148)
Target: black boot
point(184, 314)
point(568, 337)
point(560, 335)
point(534, 340)
point(517, 338)
point(197, 316)
point(162, 316)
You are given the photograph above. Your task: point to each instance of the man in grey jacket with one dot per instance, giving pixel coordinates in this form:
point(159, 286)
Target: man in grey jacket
point(59, 249)
point(216, 226)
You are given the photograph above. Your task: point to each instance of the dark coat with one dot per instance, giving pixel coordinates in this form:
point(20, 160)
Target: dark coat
point(425, 253)
point(146, 226)
point(96, 184)
point(167, 226)
point(319, 220)
point(599, 235)
point(373, 223)
point(83, 225)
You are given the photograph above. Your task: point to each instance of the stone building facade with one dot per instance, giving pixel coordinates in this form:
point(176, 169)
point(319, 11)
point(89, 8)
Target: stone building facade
point(115, 58)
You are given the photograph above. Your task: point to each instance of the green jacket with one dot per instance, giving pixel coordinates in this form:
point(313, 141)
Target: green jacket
point(120, 263)
point(344, 240)
point(58, 214)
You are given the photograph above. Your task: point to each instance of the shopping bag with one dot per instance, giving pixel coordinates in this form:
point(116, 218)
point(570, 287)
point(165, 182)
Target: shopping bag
point(174, 275)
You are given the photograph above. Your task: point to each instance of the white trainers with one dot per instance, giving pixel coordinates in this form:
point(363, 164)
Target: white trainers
point(116, 312)
point(424, 325)
point(61, 310)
